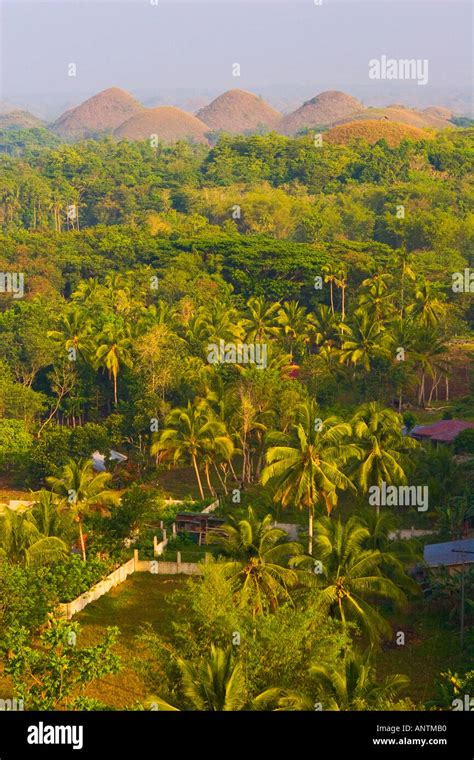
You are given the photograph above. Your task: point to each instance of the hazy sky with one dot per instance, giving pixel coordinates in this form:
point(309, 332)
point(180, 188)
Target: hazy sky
point(142, 47)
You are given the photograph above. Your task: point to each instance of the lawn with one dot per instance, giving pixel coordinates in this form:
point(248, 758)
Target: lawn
point(180, 483)
point(143, 598)
point(431, 647)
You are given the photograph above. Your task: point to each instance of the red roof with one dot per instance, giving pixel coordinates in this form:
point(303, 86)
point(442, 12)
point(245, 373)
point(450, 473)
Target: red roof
point(444, 431)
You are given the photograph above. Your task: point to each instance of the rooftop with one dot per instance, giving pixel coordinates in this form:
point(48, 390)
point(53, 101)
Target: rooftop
point(444, 431)
point(450, 553)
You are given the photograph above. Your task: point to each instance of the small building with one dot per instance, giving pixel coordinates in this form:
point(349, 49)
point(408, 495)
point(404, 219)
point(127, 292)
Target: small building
point(197, 524)
point(452, 554)
point(98, 459)
point(444, 431)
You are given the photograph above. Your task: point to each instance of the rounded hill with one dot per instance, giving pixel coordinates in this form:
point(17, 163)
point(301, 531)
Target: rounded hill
point(103, 112)
point(19, 120)
point(323, 110)
point(237, 112)
point(432, 118)
point(168, 123)
point(372, 131)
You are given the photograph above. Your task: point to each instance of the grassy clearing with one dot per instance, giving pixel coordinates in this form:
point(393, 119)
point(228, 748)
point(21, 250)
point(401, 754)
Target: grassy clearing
point(143, 598)
point(431, 647)
point(180, 483)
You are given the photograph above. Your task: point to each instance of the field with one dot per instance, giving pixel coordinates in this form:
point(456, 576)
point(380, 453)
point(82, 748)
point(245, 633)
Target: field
point(143, 598)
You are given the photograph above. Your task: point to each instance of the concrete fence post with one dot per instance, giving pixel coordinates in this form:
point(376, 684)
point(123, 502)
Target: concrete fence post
point(155, 546)
point(178, 558)
point(174, 529)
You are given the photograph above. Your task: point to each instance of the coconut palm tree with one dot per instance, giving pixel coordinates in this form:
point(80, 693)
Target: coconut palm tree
point(74, 332)
point(352, 684)
point(89, 292)
point(428, 308)
point(295, 323)
point(258, 554)
point(325, 327)
point(47, 515)
point(21, 540)
point(190, 434)
point(222, 322)
point(329, 277)
point(197, 331)
point(114, 350)
point(430, 352)
point(81, 490)
point(307, 468)
point(366, 341)
point(375, 300)
point(396, 553)
point(455, 516)
point(217, 683)
point(377, 431)
point(405, 260)
point(220, 449)
point(341, 282)
point(351, 576)
point(262, 320)
point(401, 336)
point(118, 292)
point(159, 313)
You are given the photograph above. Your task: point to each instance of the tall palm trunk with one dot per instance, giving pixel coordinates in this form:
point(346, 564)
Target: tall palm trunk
point(421, 394)
point(198, 477)
point(310, 530)
point(209, 484)
point(81, 538)
point(234, 474)
point(244, 458)
point(226, 490)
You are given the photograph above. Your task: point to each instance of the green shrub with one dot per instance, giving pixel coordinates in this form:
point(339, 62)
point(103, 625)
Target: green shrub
point(464, 442)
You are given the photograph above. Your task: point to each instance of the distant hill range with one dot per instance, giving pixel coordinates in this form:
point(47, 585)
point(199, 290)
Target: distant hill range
point(117, 112)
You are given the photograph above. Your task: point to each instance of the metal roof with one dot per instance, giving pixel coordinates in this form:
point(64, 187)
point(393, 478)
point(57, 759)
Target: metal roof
point(444, 431)
point(450, 553)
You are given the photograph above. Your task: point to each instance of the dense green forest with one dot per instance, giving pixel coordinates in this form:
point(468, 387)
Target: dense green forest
point(348, 270)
